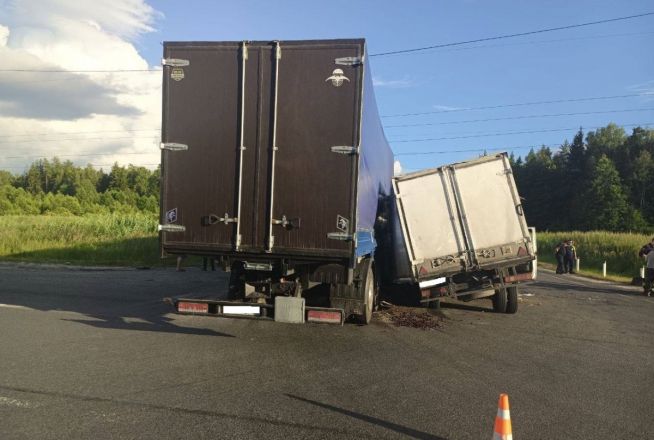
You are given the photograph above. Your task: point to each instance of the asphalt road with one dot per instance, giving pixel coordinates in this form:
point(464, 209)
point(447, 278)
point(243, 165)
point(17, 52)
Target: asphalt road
point(96, 354)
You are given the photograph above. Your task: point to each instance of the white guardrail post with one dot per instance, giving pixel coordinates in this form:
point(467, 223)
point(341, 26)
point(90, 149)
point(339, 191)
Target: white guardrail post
point(604, 269)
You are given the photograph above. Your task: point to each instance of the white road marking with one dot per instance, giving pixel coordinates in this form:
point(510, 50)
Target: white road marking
point(7, 401)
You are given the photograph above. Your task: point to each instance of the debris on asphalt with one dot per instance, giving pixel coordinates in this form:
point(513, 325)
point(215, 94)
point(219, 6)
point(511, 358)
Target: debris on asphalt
point(413, 317)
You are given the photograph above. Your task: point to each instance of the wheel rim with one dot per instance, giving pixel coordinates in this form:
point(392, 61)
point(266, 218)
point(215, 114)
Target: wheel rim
point(370, 295)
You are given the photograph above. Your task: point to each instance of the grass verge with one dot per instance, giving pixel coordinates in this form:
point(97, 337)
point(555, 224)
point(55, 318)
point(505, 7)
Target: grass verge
point(94, 240)
point(619, 250)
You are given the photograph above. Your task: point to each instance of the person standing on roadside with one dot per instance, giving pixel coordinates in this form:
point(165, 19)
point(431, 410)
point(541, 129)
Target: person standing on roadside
point(559, 253)
point(647, 252)
point(570, 257)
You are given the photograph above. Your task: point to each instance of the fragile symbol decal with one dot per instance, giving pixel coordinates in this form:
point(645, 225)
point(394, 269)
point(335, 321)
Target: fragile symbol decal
point(337, 78)
point(171, 216)
point(177, 73)
point(342, 223)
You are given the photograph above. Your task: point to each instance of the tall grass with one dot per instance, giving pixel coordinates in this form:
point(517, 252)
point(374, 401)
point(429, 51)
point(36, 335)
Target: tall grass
point(618, 249)
point(109, 239)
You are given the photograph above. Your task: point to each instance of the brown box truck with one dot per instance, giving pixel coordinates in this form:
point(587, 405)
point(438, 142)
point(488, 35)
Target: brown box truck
point(274, 162)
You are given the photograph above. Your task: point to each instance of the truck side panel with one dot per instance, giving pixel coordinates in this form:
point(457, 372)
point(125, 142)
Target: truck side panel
point(375, 174)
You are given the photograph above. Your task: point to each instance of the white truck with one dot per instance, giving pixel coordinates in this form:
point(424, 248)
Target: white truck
point(460, 231)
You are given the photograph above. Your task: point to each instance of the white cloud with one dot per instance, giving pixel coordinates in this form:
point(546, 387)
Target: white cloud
point(71, 114)
point(646, 89)
point(393, 83)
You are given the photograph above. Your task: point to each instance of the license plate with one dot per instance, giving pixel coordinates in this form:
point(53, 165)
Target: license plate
point(242, 310)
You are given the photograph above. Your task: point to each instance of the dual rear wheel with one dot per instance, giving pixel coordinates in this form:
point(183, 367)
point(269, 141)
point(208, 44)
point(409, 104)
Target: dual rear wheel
point(506, 300)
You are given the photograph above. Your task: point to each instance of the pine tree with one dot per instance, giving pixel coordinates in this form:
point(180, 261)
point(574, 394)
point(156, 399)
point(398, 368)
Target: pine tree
point(604, 202)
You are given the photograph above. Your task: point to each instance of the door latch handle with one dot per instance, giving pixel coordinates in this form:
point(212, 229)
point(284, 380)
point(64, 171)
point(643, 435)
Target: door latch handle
point(287, 223)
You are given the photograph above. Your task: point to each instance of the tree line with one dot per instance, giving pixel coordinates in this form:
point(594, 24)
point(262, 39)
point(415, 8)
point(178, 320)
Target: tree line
point(601, 181)
point(62, 188)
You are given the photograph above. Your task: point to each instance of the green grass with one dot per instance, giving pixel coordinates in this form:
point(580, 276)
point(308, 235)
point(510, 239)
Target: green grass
point(131, 240)
point(618, 249)
point(97, 240)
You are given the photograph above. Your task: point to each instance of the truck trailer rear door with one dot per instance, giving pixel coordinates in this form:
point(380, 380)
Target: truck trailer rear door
point(259, 146)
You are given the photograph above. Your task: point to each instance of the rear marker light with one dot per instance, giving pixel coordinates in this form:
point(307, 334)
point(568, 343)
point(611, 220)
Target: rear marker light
point(324, 317)
point(191, 307)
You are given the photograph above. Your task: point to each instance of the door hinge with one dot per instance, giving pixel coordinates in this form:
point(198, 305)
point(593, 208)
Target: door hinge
point(343, 149)
point(171, 228)
point(173, 146)
point(343, 236)
point(175, 62)
point(349, 61)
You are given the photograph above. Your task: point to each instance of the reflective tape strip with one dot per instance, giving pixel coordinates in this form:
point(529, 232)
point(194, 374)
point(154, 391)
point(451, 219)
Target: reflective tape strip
point(430, 283)
point(504, 414)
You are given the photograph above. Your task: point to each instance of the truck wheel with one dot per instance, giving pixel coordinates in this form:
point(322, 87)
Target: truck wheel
point(369, 295)
point(434, 305)
point(512, 299)
point(499, 301)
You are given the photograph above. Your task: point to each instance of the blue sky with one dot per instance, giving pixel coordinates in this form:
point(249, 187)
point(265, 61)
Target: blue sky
point(604, 60)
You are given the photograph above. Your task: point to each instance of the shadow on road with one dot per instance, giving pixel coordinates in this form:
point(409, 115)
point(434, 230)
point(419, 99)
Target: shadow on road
point(465, 306)
point(410, 432)
point(578, 287)
point(122, 299)
point(154, 325)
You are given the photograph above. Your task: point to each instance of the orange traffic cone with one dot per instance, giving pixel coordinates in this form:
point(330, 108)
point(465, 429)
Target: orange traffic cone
point(503, 420)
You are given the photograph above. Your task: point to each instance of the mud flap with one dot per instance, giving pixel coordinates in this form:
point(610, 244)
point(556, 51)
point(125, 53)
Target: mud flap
point(350, 298)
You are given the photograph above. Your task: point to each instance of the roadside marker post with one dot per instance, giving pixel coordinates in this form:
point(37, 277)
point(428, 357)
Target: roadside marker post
point(642, 273)
point(604, 269)
point(577, 268)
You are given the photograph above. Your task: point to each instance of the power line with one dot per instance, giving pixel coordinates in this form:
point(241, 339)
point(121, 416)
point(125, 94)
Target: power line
point(472, 150)
point(89, 164)
point(590, 37)
point(82, 132)
point(555, 40)
point(518, 117)
point(79, 71)
point(53, 154)
point(507, 133)
point(519, 34)
point(519, 104)
point(75, 139)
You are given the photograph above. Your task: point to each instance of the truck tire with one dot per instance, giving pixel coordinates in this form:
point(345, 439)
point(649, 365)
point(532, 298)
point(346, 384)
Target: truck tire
point(511, 299)
point(499, 301)
point(369, 295)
